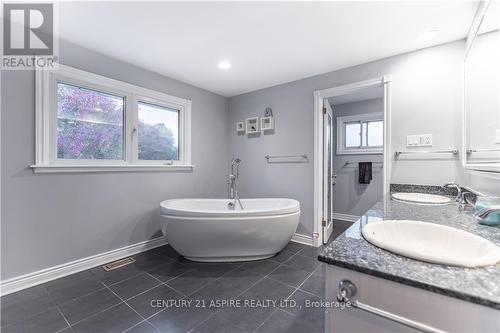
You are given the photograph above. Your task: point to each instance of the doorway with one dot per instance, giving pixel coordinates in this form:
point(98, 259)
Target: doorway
point(344, 137)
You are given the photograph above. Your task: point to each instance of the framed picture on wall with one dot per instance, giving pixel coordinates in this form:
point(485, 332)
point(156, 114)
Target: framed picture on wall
point(252, 125)
point(266, 123)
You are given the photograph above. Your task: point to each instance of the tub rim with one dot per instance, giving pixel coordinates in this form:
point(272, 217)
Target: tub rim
point(292, 206)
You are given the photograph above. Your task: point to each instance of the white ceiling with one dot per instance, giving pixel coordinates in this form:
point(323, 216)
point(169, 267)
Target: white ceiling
point(266, 43)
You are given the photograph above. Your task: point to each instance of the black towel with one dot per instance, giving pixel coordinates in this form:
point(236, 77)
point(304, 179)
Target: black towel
point(365, 172)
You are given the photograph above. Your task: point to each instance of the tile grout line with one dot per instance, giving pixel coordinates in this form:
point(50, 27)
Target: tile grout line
point(181, 293)
point(104, 286)
point(244, 291)
point(95, 314)
point(268, 276)
point(143, 319)
point(308, 292)
point(123, 301)
point(31, 315)
point(109, 307)
point(64, 317)
point(216, 279)
point(203, 286)
point(298, 288)
point(82, 296)
point(164, 283)
point(264, 321)
point(131, 327)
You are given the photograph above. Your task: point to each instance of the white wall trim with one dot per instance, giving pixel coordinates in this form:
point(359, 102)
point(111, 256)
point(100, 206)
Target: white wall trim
point(303, 239)
point(345, 217)
point(319, 95)
point(48, 274)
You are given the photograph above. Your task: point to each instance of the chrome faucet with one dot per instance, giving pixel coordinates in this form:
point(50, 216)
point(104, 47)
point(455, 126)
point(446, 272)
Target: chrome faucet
point(455, 185)
point(232, 182)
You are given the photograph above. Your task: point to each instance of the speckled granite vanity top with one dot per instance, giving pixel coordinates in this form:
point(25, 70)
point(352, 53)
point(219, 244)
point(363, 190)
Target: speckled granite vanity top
point(478, 285)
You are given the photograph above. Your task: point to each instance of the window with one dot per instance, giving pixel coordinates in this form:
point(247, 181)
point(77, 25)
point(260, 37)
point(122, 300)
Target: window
point(89, 124)
point(86, 122)
point(158, 132)
point(360, 134)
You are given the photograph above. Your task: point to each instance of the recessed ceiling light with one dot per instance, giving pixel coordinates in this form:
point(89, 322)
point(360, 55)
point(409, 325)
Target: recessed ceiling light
point(426, 36)
point(224, 64)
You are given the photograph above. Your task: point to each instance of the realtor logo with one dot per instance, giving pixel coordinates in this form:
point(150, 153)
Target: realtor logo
point(28, 36)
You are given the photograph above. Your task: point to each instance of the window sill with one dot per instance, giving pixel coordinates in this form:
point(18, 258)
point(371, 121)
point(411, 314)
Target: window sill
point(109, 168)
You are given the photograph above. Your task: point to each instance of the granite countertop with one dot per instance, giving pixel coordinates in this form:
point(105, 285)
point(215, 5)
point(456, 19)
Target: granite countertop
point(478, 285)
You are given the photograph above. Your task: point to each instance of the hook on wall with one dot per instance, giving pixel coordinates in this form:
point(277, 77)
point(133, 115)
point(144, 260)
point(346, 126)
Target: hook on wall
point(269, 112)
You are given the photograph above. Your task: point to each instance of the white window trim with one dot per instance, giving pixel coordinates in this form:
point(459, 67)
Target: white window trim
point(341, 121)
point(46, 119)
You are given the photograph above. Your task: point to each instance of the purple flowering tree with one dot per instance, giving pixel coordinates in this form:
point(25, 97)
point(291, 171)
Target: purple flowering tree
point(90, 124)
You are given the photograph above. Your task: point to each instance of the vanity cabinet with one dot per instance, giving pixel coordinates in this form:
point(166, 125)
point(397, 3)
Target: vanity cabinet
point(443, 313)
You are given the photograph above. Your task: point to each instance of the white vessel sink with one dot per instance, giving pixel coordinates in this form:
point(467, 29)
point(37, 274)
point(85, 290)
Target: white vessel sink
point(432, 242)
point(421, 198)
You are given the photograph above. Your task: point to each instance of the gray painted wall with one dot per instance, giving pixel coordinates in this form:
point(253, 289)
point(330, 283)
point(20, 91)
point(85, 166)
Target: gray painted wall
point(52, 219)
point(349, 196)
point(426, 98)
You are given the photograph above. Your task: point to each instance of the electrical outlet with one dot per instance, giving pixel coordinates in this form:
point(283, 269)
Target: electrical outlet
point(420, 140)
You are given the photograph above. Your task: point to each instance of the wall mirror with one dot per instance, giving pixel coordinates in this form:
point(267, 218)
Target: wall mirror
point(482, 90)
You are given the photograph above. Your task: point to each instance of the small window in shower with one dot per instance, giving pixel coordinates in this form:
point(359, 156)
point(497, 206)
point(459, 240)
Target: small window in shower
point(360, 134)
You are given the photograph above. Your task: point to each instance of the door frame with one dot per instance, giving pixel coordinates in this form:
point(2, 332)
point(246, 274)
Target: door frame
point(319, 96)
point(327, 207)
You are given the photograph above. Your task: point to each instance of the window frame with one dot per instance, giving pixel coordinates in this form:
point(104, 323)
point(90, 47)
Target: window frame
point(46, 81)
point(341, 139)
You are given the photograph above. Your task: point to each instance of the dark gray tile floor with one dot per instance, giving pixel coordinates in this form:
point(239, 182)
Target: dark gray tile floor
point(163, 292)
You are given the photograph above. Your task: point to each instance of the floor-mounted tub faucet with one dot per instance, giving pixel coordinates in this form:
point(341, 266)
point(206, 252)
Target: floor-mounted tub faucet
point(232, 182)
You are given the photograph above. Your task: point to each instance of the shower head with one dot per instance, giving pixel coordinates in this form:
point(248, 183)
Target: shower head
point(235, 161)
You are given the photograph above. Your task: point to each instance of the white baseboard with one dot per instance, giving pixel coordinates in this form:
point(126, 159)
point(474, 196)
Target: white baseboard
point(303, 239)
point(32, 279)
point(345, 217)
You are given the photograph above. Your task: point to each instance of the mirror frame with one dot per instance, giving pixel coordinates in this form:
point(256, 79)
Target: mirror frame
point(471, 38)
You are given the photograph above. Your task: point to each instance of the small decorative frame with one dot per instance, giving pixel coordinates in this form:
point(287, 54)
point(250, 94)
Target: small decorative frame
point(266, 123)
point(240, 127)
point(252, 125)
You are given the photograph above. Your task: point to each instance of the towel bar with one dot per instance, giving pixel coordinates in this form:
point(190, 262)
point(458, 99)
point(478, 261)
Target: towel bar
point(448, 151)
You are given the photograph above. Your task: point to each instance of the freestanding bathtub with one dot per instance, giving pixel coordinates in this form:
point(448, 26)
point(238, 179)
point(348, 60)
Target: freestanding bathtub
point(207, 230)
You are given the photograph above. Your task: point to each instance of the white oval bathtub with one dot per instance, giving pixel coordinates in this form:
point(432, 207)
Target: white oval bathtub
point(207, 230)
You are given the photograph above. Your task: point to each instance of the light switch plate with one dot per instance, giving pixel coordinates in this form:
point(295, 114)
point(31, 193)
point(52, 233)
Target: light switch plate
point(419, 140)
